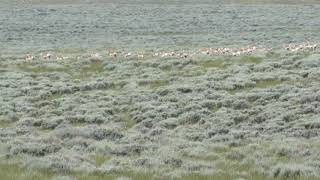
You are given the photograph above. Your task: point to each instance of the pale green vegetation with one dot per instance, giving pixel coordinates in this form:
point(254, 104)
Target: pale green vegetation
point(156, 117)
point(127, 120)
point(209, 157)
point(261, 84)
point(221, 149)
point(185, 73)
point(222, 63)
point(40, 69)
point(79, 124)
point(301, 55)
point(232, 169)
point(154, 84)
point(215, 108)
point(167, 69)
point(84, 72)
point(267, 83)
point(273, 55)
point(250, 176)
point(89, 70)
point(54, 97)
point(250, 59)
point(5, 124)
point(100, 159)
point(166, 33)
point(2, 65)
point(216, 63)
point(15, 172)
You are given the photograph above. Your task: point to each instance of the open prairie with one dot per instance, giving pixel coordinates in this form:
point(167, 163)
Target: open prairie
point(159, 90)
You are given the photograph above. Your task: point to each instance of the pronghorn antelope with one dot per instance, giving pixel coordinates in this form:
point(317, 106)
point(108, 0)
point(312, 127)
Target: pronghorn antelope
point(224, 51)
point(29, 57)
point(46, 55)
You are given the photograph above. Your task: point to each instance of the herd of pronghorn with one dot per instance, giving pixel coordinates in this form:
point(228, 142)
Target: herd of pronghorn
point(177, 54)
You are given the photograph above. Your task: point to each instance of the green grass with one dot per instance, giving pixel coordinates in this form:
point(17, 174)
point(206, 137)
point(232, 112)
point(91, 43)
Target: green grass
point(126, 118)
point(217, 63)
point(89, 70)
point(16, 172)
point(250, 60)
point(5, 124)
point(273, 55)
point(154, 84)
point(208, 157)
point(217, 153)
point(261, 84)
point(40, 69)
point(231, 176)
point(267, 83)
point(54, 97)
point(221, 149)
point(100, 159)
point(240, 89)
point(167, 69)
point(222, 63)
point(186, 73)
point(301, 55)
point(215, 108)
point(230, 170)
point(79, 124)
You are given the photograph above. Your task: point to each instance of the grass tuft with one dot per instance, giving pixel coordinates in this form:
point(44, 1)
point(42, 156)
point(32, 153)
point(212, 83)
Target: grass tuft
point(126, 118)
point(5, 124)
point(267, 83)
point(100, 159)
